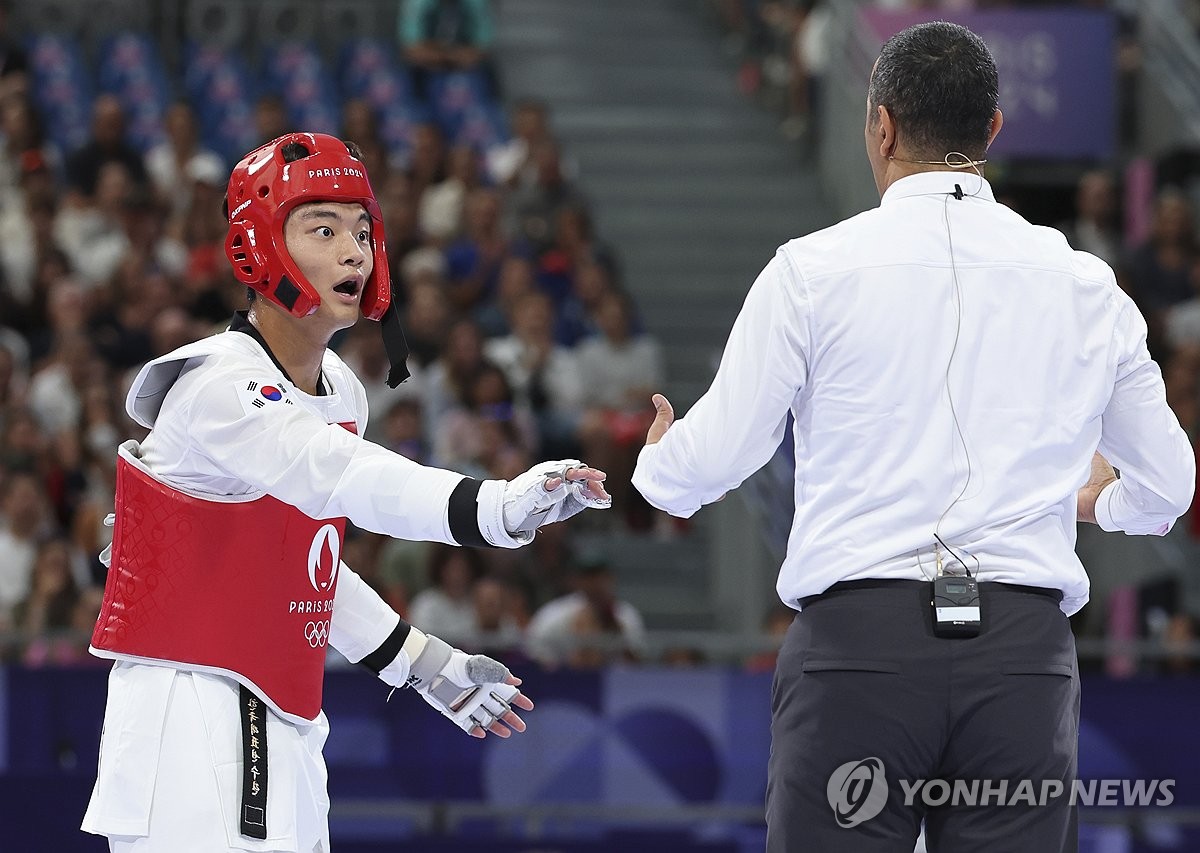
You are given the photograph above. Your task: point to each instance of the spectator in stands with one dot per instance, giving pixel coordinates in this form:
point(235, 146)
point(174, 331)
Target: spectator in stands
point(1161, 265)
point(271, 119)
point(442, 204)
point(398, 203)
point(364, 352)
point(123, 318)
point(427, 318)
point(495, 624)
point(51, 265)
point(619, 370)
point(57, 389)
point(589, 627)
point(360, 125)
point(14, 372)
point(62, 475)
point(544, 375)
point(490, 432)
point(515, 279)
point(577, 312)
point(1182, 320)
point(171, 328)
point(534, 207)
point(210, 295)
point(27, 219)
point(784, 24)
point(424, 265)
point(66, 316)
point(1180, 372)
point(442, 35)
point(90, 231)
point(473, 261)
point(107, 144)
point(427, 159)
point(24, 138)
point(403, 430)
point(22, 446)
point(446, 608)
point(1094, 228)
point(574, 243)
point(448, 380)
point(13, 60)
point(810, 61)
point(25, 518)
point(175, 164)
point(510, 163)
point(144, 220)
point(47, 615)
point(101, 429)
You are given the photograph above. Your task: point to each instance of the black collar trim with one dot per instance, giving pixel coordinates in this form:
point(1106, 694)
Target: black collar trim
point(241, 323)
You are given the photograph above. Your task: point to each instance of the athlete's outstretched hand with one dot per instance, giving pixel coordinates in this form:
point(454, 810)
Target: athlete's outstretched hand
point(550, 492)
point(476, 693)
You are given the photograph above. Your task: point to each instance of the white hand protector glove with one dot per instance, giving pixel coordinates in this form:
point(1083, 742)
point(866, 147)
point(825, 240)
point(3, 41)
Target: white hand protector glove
point(527, 504)
point(468, 689)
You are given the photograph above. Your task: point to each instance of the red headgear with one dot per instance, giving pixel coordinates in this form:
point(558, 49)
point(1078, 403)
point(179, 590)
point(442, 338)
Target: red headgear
point(264, 189)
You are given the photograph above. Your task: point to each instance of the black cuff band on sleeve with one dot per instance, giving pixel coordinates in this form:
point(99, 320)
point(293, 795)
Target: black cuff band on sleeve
point(463, 514)
point(388, 649)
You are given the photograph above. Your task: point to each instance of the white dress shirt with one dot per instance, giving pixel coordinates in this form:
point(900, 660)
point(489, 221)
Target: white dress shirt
point(951, 369)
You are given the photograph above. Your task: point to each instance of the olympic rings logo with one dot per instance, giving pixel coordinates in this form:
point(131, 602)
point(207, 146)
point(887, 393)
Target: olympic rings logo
point(317, 633)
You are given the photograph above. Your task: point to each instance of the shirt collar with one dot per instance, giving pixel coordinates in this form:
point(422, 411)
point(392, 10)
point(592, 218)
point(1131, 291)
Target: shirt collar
point(241, 323)
point(937, 183)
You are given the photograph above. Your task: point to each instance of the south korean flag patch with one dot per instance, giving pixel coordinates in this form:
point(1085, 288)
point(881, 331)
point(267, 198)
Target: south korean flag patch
point(256, 396)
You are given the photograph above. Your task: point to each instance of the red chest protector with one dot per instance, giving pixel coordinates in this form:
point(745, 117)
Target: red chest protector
point(241, 588)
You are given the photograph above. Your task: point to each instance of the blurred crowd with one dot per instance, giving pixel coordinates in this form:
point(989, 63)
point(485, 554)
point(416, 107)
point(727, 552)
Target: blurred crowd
point(525, 346)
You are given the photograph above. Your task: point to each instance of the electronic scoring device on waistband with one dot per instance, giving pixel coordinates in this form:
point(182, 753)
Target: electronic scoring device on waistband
point(955, 602)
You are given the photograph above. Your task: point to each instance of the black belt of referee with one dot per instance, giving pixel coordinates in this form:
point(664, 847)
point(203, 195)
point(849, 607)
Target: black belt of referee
point(904, 584)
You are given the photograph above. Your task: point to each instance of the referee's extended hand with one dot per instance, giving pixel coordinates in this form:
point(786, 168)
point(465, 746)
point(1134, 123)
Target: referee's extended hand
point(664, 416)
point(1102, 475)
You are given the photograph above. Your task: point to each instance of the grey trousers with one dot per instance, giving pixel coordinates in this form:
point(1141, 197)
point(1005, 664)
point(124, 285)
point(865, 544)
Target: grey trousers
point(864, 686)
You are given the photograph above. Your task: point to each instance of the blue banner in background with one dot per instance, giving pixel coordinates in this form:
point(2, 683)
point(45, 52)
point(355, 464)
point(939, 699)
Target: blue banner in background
point(1057, 76)
point(621, 738)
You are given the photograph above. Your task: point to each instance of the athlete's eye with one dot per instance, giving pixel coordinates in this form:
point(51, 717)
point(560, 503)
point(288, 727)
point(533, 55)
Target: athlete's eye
point(364, 236)
point(325, 231)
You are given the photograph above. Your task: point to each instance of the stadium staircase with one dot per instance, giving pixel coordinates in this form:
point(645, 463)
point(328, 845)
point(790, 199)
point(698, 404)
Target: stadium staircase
point(695, 188)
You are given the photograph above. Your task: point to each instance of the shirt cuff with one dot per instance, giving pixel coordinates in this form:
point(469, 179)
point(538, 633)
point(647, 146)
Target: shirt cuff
point(1104, 508)
point(679, 505)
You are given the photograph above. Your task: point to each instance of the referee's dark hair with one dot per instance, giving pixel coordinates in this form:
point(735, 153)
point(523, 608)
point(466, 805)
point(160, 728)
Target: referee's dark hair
point(938, 80)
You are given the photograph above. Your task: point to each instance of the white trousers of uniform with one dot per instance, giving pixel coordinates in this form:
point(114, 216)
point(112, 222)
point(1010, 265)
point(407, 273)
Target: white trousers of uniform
point(170, 772)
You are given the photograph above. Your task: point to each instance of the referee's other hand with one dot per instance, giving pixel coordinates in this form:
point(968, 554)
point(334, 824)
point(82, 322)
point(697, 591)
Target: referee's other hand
point(664, 416)
point(1102, 474)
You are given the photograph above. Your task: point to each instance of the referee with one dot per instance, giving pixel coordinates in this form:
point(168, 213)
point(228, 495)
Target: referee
point(958, 379)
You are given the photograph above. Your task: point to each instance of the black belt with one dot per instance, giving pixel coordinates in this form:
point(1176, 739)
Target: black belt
point(253, 818)
point(898, 584)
